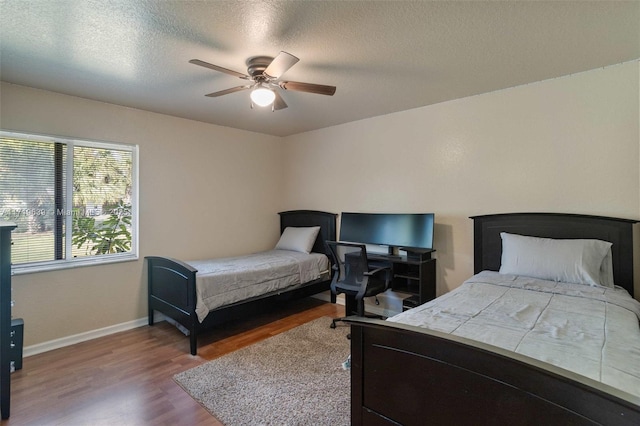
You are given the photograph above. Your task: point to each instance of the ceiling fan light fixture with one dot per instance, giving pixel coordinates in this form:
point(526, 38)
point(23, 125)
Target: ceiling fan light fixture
point(263, 73)
point(262, 96)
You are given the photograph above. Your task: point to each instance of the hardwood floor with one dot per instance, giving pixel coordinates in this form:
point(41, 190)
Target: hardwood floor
point(126, 378)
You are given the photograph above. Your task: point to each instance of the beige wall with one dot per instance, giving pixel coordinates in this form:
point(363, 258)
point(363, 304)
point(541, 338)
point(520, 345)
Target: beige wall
point(204, 191)
point(569, 144)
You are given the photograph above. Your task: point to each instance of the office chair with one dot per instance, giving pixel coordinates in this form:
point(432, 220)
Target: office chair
point(355, 276)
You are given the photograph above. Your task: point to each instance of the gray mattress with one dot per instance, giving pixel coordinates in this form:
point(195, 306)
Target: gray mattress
point(223, 281)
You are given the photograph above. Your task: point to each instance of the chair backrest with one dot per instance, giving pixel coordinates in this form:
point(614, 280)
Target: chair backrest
point(349, 262)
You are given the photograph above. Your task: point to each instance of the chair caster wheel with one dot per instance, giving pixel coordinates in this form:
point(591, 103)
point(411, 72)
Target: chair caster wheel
point(333, 325)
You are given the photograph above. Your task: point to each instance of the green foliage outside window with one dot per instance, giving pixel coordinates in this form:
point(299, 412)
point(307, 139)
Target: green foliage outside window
point(110, 236)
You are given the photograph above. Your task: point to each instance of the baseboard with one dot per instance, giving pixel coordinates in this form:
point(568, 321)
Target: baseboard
point(82, 337)
point(101, 332)
point(94, 334)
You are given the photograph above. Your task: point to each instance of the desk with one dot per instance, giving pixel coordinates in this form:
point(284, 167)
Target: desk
point(415, 274)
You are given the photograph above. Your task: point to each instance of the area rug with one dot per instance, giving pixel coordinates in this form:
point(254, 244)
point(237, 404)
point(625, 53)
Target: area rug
point(293, 378)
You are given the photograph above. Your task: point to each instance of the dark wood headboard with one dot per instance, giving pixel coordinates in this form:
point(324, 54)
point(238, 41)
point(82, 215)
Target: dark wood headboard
point(326, 222)
point(488, 244)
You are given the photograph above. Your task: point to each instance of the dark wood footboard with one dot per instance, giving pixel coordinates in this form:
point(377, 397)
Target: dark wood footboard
point(172, 291)
point(410, 376)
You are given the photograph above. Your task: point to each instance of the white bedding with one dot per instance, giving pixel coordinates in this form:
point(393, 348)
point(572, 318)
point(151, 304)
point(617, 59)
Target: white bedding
point(228, 280)
point(592, 331)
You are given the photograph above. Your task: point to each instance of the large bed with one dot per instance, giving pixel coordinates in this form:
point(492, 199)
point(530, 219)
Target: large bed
point(200, 294)
point(510, 348)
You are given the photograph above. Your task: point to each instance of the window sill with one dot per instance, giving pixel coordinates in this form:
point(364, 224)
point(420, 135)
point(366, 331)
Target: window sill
point(56, 265)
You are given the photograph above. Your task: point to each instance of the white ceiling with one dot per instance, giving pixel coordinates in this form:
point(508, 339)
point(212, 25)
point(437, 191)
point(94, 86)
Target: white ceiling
point(382, 56)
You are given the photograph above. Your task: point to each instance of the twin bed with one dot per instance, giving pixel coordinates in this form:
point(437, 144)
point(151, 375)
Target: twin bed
point(546, 340)
point(204, 293)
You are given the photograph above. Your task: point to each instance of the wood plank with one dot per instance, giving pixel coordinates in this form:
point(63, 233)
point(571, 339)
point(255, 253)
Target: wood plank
point(126, 378)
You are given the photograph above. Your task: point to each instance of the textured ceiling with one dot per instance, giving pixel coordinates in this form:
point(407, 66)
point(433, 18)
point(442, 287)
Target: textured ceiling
point(382, 56)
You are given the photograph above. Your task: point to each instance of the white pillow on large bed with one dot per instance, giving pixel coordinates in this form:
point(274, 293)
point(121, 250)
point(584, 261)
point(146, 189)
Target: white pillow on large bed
point(572, 261)
point(298, 238)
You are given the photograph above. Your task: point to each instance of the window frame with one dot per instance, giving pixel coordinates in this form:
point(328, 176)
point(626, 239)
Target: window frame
point(102, 259)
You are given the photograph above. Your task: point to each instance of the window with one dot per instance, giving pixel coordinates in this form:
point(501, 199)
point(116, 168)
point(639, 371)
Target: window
point(74, 201)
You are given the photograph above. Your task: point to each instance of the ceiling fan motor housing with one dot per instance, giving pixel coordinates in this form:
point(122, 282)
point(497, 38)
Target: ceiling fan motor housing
point(257, 64)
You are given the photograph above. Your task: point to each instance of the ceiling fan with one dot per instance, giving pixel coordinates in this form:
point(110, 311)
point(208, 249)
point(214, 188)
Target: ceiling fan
point(263, 74)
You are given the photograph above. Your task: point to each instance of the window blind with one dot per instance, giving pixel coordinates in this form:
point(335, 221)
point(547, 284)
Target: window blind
point(70, 199)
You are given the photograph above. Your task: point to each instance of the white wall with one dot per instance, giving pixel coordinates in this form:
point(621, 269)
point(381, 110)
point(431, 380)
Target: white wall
point(569, 144)
point(566, 145)
point(205, 191)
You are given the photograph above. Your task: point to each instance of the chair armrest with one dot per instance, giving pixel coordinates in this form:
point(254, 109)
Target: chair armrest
point(377, 270)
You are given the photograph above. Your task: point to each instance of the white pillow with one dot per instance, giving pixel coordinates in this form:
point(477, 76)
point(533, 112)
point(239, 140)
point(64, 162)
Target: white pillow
point(571, 261)
point(298, 239)
point(606, 271)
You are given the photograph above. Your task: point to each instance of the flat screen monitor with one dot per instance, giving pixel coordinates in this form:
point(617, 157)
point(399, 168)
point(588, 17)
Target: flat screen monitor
point(400, 230)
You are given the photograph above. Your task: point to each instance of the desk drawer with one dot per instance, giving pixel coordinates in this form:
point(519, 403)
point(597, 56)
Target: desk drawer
point(17, 339)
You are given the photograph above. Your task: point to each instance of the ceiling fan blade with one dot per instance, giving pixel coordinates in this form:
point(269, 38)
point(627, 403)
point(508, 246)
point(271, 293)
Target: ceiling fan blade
point(227, 91)
point(308, 87)
point(278, 103)
point(280, 65)
point(217, 68)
